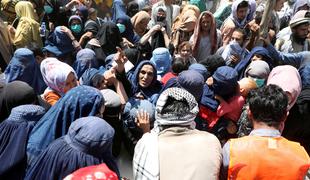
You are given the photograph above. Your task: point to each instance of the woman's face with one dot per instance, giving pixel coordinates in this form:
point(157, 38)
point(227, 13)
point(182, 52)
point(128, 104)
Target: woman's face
point(146, 76)
point(71, 82)
point(142, 25)
point(257, 57)
point(186, 51)
point(205, 23)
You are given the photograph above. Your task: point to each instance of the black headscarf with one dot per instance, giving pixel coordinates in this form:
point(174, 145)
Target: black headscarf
point(14, 94)
point(109, 37)
point(132, 8)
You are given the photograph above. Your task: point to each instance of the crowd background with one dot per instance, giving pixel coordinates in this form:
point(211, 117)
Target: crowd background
point(83, 80)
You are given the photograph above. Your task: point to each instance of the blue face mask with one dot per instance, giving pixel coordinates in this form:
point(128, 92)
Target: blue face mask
point(121, 27)
point(48, 9)
point(77, 28)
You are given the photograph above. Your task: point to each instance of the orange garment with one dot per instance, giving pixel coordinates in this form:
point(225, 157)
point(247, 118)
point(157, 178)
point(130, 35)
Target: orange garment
point(51, 97)
point(256, 157)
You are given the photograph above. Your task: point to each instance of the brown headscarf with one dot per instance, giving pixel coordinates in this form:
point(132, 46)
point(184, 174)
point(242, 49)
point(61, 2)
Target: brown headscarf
point(137, 18)
point(185, 22)
point(212, 34)
point(6, 48)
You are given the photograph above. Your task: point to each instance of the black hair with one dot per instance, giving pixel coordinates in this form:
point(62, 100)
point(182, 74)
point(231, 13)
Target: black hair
point(179, 64)
point(37, 51)
point(242, 31)
point(213, 62)
point(243, 4)
point(175, 107)
point(268, 105)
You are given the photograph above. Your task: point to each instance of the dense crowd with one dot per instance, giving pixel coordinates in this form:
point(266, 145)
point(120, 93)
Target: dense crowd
point(196, 89)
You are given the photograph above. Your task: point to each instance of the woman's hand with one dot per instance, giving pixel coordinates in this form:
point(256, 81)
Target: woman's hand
point(143, 121)
point(120, 59)
point(68, 32)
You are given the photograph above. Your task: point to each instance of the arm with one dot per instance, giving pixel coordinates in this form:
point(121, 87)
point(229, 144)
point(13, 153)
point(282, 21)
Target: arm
point(149, 34)
point(87, 35)
point(166, 37)
point(121, 91)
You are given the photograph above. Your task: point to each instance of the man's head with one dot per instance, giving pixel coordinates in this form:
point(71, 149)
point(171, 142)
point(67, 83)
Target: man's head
point(279, 5)
point(238, 35)
point(300, 25)
point(268, 106)
point(242, 10)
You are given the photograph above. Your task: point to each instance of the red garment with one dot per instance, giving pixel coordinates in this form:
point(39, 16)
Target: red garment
point(101, 172)
point(167, 77)
point(265, 158)
point(231, 109)
point(208, 115)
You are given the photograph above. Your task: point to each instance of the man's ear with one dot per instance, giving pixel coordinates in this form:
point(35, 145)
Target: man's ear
point(249, 112)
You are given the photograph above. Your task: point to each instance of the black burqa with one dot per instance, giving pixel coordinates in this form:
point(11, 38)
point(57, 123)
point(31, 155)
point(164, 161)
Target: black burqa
point(108, 38)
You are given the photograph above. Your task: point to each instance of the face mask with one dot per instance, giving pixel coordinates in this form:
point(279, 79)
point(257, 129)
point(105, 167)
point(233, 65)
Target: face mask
point(48, 9)
point(160, 18)
point(76, 28)
point(260, 82)
point(121, 27)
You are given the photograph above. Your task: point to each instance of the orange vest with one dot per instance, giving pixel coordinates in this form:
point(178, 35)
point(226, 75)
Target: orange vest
point(255, 157)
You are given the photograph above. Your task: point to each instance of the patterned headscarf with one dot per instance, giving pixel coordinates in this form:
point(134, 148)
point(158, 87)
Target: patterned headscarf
point(187, 119)
point(55, 74)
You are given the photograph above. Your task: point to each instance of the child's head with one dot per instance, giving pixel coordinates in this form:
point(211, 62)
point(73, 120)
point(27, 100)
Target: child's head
point(179, 64)
point(246, 85)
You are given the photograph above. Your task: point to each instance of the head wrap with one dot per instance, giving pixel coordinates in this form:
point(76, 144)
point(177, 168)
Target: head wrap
point(225, 82)
point(91, 77)
point(300, 17)
point(288, 78)
point(14, 94)
point(187, 118)
point(154, 87)
point(85, 59)
point(257, 69)
point(55, 74)
point(162, 60)
point(128, 33)
point(81, 147)
point(201, 69)
point(193, 82)
point(137, 18)
point(109, 37)
point(81, 101)
point(23, 67)
point(59, 43)
point(212, 34)
point(97, 172)
point(14, 133)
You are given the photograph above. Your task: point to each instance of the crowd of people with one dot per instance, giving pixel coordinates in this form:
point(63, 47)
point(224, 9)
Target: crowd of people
point(190, 89)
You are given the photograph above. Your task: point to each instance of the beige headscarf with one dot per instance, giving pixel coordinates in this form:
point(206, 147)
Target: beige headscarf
point(27, 31)
point(137, 18)
point(185, 22)
point(6, 48)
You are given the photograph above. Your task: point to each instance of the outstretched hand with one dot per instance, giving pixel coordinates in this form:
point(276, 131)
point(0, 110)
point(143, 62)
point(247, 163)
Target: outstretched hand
point(120, 59)
point(143, 121)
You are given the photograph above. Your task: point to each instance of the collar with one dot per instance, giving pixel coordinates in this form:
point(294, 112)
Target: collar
point(265, 132)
